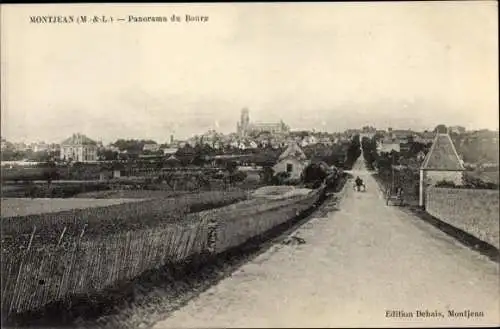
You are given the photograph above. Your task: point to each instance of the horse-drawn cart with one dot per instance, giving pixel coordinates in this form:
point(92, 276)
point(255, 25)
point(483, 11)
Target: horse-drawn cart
point(394, 197)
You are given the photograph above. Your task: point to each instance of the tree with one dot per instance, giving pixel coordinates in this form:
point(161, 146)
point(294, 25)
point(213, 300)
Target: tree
point(50, 173)
point(10, 154)
point(231, 166)
point(134, 146)
point(353, 151)
point(280, 178)
point(186, 150)
point(416, 148)
point(107, 155)
point(441, 128)
point(40, 156)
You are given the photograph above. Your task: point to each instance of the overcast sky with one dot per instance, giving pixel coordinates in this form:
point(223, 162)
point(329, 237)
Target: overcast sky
point(329, 66)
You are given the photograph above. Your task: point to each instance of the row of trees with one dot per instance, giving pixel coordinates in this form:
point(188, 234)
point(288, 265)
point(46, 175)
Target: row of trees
point(132, 145)
point(353, 152)
point(11, 154)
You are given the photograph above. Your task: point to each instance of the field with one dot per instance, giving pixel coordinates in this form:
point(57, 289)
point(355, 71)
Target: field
point(59, 189)
point(22, 206)
point(66, 224)
point(488, 176)
point(130, 194)
point(48, 256)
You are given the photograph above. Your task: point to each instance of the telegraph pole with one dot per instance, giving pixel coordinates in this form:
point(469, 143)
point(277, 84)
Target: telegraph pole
point(392, 175)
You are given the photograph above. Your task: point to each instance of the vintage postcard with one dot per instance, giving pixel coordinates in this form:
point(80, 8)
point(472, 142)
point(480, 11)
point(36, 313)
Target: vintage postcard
point(262, 165)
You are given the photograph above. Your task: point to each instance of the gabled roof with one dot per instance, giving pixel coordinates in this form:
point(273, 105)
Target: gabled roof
point(78, 139)
point(172, 159)
point(442, 155)
point(293, 151)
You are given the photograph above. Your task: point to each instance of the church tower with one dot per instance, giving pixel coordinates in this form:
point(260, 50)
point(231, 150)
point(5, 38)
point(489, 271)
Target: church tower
point(244, 122)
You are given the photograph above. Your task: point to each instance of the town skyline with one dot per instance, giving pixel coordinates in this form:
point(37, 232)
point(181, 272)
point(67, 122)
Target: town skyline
point(165, 137)
point(328, 67)
point(166, 140)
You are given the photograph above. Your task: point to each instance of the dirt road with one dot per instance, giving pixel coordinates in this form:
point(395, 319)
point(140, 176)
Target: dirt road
point(366, 264)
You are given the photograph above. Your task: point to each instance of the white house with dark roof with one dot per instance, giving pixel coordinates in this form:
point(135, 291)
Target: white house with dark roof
point(79, 148)
point(293, 160)
point(442, 163)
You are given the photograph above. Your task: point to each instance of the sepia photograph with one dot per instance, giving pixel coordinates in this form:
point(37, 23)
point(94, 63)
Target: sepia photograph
point(250, 165)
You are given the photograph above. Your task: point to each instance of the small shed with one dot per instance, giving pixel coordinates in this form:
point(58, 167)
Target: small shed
point(441, 163)
point(105, 173)
point(172, 161)
point(293, 161)
point(111, 170)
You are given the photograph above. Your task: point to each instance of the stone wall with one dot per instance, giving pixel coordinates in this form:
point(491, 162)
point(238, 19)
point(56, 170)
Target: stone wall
point(473, 211)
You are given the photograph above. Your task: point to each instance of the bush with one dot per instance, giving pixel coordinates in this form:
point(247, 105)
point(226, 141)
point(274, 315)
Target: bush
point(469, 183)
point(280, 178)
point(477, 183)
point(313, 173)
point(292, 181)
point(238, 176)
point(445, 183)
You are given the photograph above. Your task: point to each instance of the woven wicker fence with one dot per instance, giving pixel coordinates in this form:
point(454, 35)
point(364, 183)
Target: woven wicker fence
point(35, 277)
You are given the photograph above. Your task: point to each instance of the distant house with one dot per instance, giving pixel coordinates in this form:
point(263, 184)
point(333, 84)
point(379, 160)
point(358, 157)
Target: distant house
point(172, 161)
point(181, 144)
point(112, 148)
point(456, 130)
point(4, 143)
point(368, 135)
point(253, 145)
point(192, 142)
point(326, 141)
point(109, 171)
point(312, 140)
point(263, 143)
point(293, 161)
point(152, 147)
point(40, 147)
point(424, 138)
point(53, 147)
point(401, 134)
point(387, 146)
point(79, 148)
point(169, 151)
point(442, 163)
